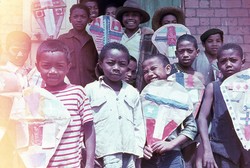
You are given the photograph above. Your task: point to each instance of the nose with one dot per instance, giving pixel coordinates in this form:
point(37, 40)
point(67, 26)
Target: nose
point(52, 70)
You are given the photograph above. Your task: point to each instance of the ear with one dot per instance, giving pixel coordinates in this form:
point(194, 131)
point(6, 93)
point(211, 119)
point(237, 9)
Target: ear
point(37, 66)
point(69, 20)
point(198, 51)
point(68, 67)
point(168, 69)
point(243, 62)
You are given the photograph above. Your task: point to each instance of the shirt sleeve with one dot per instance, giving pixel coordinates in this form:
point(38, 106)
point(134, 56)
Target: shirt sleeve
point(190, 127)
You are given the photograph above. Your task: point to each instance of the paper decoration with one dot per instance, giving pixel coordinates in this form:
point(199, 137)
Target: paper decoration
point(49, 15)
point(193, 85)
point(165, 39)
point(165, 106)
point(104, 29)
point(37, 122)
point(236, 93)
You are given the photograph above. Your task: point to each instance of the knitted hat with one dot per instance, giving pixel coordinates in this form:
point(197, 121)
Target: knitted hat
point(132, 6)
point(210, 32)
point(161, 12)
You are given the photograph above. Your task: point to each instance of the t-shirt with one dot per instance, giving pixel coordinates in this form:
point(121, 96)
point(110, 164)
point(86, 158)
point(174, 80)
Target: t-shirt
point(68, 152)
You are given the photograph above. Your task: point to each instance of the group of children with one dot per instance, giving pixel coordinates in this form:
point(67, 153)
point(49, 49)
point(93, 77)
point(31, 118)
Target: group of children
point(107, 113)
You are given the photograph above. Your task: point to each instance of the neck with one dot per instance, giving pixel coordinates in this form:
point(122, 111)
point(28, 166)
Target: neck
point(57, 87)
point(130, 33)
point(188, 69)
point(116, 86)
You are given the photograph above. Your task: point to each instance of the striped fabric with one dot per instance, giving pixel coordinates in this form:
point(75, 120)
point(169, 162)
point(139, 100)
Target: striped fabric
point(68, 153)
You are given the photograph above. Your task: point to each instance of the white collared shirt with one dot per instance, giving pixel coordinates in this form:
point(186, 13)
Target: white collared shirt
point(118, 119)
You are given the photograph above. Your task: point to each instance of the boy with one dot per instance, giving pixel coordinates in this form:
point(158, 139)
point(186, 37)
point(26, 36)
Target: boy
point(130, 75)
point(53, 63)
point(83, 52)
point(131, 15)
point(18, 45)
point(186, 52)
point(93, 8)
point(165, 152)
point(206, 62)
point(110, 10)
point(221, 147)
point(119, 124)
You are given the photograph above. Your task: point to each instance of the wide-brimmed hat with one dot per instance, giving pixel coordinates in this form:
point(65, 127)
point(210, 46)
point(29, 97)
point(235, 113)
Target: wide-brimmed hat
point(131, 6)
point(161, 12)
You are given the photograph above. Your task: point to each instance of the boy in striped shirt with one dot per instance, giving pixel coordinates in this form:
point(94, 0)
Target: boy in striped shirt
point(53, 62)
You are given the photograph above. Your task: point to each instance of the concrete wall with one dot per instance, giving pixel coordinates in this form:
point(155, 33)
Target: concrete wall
point(232, 16)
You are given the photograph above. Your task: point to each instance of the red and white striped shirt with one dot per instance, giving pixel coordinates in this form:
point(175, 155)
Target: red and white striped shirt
point(68, 152)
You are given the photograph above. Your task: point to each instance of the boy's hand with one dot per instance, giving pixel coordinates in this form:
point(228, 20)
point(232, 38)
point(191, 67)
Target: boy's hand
point(162, 146)
point(147, 152)
point(208, 160)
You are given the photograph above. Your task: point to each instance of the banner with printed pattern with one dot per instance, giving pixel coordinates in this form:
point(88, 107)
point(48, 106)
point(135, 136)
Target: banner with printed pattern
point(193, 85)
point(165, 39)
point(166, 104)
point(236, 93)
point(105, 29)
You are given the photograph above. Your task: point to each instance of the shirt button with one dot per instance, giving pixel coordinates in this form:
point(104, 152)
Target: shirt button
point(120, 117)
point(117, 99)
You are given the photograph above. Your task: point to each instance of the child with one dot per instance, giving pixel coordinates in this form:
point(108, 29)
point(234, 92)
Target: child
point(53, 63)
point(167, 15)
point(18, 45)
point(93, 8)
point(83, 52)
point(186, 51)
point(165, 153)
point(110, 10)
point(130, 75)
point(206, 62)
point(222, 148)
point(131, 15)
point(119, 124)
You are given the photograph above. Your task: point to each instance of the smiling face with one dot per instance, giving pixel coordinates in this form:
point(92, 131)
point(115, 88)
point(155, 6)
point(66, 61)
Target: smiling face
point(53, 67)
point(131, 21)
point(93, 9)
point(186, 53)
point(114, 66)
point(154, 69)
point(229, 62)
point(212, 44)
point(79, 19)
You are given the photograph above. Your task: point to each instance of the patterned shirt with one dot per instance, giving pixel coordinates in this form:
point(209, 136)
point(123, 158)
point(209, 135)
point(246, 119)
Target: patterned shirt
point(68, 152)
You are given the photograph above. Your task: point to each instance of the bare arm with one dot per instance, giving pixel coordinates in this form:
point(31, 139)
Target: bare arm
point(89, 143)
point(203, 121)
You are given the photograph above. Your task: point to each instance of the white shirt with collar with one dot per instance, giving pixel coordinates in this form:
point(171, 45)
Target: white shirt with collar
point(118, 119)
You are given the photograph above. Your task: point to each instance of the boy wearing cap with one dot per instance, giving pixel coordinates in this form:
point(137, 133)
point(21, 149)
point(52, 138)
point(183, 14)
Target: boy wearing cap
point(131, 15)
point(206, 62)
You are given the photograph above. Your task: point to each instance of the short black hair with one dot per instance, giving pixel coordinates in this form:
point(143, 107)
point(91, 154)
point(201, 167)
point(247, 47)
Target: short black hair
point(78, 6)
point(131, 58)
point(232, 46)
point(164, 59)
point(18, 36)
point(113, 45)
point(187, 37)
point(53, 45)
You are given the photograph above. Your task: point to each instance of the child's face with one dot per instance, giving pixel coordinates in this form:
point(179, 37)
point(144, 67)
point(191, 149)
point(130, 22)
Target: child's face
point(212, 44)
point(130, 75)
point(114, 66)
point(79, 19)
point(168, 19)
point(153, 69)
point(93, 9)
point(53, 67)
point(110, 11)
point(18, 52)
point(230, 62)
point(186, 53)
point(131, 20)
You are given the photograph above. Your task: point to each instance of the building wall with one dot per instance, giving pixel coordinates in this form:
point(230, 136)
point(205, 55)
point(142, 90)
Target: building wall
point(232, 16)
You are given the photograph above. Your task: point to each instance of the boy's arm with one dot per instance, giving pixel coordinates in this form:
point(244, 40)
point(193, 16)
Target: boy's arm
point(203, 121)
point(140, 130)
point(89, 133)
